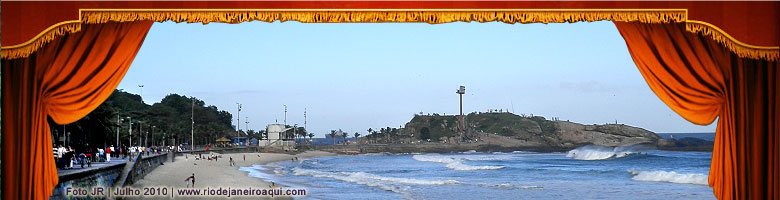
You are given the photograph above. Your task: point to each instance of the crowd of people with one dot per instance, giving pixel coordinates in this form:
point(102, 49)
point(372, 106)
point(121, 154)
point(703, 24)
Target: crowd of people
point(66, 158)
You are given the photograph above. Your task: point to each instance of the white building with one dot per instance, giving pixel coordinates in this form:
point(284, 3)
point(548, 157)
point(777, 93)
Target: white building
point(276, 136)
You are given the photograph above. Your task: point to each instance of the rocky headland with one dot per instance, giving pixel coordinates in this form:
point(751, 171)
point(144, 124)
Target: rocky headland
point(509, 132)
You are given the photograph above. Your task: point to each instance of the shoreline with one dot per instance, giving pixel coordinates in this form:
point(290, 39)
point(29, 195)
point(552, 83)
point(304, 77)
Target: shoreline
point(219, 173)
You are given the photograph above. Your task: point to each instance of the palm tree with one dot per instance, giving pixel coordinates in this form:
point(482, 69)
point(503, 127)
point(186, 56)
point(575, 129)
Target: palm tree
point(356, 136)
point(333, 136)
point(344, 138)
point(370, 133)
point(302, 133)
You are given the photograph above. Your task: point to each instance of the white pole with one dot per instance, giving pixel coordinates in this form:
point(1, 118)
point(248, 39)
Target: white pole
point(130, 132)
point(192, 133)
point(285, 116)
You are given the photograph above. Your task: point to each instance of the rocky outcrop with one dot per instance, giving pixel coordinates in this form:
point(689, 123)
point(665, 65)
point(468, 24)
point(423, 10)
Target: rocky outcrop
point(604, 135)
point(685, 144)
point(506, 129)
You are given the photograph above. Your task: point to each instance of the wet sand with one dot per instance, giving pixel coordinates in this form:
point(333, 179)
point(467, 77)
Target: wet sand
point(216, 174)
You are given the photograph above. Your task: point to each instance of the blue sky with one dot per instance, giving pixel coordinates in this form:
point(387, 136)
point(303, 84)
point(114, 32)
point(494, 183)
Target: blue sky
point(355, 76)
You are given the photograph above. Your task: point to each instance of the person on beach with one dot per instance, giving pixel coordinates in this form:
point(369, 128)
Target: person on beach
point(244, 157)
point(231, 161)
point(191, 178)
point(108, 153)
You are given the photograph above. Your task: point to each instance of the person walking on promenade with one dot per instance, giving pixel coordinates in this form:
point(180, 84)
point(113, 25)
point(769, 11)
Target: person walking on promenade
point(60, 153)
point(108, 153)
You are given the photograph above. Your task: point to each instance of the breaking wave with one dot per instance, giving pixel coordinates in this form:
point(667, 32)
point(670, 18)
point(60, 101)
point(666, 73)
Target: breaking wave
point(469, 152)
point(509, 186)
point(433, 158)
point(596, 152)
point(257, 172)
point(456, 163)
point(670, 177)
point(397, 185)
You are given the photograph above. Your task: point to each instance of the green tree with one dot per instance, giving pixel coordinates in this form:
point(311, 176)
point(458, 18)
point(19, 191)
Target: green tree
point(425, 133)
point(172, 115)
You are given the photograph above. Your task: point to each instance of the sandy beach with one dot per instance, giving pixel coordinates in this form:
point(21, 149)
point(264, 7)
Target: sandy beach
point(216, 174)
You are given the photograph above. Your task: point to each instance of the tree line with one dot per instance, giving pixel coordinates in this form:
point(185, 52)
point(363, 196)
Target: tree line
point(161, 123)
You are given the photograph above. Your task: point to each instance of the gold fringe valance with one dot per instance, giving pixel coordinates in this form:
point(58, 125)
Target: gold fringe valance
point(739, 48)
point(25, 49)
point(438, 16)
point(378, 16)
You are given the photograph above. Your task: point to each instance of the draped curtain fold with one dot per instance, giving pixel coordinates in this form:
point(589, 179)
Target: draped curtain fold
point(701, 81)
point(66, 79)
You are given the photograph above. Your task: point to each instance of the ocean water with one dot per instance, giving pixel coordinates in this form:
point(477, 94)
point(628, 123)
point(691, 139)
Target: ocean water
point(590, 172)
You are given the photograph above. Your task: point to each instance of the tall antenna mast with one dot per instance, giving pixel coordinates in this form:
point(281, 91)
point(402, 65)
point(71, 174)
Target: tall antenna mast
point(285, 116)
point(238, 117)
point(461, 91)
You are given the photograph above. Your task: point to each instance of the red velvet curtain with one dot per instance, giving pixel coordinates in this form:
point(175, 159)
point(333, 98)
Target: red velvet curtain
point(701, 80)
point(66, 79)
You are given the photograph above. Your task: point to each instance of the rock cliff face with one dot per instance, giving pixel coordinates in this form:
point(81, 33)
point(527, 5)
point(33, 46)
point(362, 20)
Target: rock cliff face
point(506, 129)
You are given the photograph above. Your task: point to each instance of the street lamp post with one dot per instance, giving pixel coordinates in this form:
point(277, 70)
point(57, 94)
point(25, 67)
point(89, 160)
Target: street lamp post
point(147, 137)
point(140, 131)
point(130, 131)
point(119, 125)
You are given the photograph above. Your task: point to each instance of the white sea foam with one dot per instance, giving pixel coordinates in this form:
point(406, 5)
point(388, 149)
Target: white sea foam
point(433, 158)
point(595, 152)
point(257, 172)
point(469, 152)
point(529, 187)
point(458, 165)
point(456, 162)
point(671, 177)
point(509, 186)
point(360, 177)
